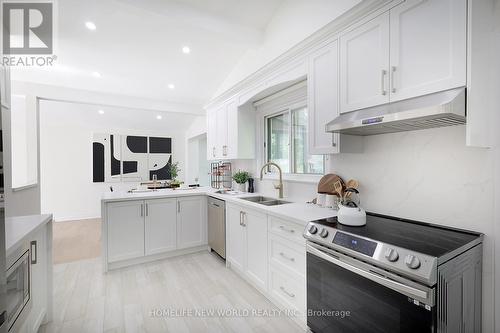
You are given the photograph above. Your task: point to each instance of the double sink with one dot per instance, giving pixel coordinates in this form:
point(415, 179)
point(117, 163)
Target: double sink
point(266, 201)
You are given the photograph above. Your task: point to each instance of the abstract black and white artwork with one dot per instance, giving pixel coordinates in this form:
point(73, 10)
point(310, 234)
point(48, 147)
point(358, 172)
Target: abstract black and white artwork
point(130, 158)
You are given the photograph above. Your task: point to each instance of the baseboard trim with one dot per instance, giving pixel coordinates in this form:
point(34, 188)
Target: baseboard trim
point(155, 257)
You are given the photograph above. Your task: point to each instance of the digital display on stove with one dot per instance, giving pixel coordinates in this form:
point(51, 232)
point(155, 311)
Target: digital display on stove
point(354, 243)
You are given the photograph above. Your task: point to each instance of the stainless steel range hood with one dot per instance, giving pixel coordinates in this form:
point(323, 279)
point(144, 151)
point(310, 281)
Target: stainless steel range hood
point(445, 108)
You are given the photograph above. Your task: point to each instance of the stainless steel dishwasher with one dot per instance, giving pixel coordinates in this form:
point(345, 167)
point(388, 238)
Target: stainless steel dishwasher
point(217, 226)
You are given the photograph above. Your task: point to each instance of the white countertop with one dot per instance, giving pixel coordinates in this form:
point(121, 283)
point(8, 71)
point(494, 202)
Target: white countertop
point(18, 229)
point(297, 212)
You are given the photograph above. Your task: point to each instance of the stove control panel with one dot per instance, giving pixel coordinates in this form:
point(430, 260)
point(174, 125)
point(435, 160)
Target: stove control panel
point(391, 254)
point(412, 261)
point(400, 260)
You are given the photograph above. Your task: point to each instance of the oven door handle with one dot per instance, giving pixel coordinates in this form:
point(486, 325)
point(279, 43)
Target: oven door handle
point(391, 284)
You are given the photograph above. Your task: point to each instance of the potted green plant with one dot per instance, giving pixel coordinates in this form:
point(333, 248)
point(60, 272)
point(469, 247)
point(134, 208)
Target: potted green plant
point(241, 177)
point(174, 170)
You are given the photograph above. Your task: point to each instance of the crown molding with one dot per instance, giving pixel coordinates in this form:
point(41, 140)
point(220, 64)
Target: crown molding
point(303, 48)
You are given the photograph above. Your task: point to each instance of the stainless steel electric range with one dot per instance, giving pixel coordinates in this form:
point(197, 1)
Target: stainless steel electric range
point(392, 275)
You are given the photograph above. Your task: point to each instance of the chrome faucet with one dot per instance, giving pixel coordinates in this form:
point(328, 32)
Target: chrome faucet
point(280, 185)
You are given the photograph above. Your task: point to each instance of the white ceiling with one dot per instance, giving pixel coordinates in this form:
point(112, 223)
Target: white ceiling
point(137, 47)
point(112, 118)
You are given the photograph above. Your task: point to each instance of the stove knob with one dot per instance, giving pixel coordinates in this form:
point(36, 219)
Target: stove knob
point(312, 229)
point(391, 255)
point(323, 233)
point(412, 262)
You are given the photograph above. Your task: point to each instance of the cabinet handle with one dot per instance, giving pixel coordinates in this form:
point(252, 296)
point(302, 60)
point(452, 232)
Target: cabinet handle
point(334, 144)
point(34, 252)
point(213, 152)
point(224, 150)
point(147, 210)
point(287, 257)
point(288, 230)
point(178, 206)
point(384, 73)
point(242, 219)
point(286, 292)
point(142, 210)
point(393, 85)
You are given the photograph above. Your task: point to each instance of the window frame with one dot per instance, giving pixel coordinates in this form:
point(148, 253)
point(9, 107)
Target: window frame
point(274, 109)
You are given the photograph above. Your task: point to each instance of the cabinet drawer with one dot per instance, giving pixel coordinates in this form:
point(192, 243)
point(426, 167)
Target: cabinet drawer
point(287, 253)
point(291, 293)
point(286, 229)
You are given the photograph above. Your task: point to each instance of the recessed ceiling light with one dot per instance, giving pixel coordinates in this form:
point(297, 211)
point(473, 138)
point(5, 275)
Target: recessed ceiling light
point(96, 74)
point(90, 25)
point(171, 86)
point(101, 111)
point(186, 50)
point(159, 117)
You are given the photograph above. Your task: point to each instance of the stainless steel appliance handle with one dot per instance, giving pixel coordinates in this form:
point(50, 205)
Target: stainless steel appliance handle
point(34, 253)
point(391, 284)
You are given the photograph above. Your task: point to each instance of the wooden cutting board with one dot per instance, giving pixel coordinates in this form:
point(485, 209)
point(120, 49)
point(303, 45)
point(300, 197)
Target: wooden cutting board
point(326, 184)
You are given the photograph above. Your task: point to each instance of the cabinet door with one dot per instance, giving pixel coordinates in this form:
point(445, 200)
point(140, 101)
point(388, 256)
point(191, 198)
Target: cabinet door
point(5, 86)
point(211, 134)
point(221, 150)
point(323, 102)
point(428, 47)
point(39, 276)
point(232, 130)
point(160, 225)
point(364, 65)
point(191, 222)
point(125, 223)
point(235, 238)
point(256, 249)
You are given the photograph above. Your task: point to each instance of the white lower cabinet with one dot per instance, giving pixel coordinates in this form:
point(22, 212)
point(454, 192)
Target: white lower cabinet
point(137, 229)
point(40, 282)
point(247, 244)
point(255, 225)
point(270, 253)
point(125, 234)
point(235, 238)
point(160, 226)
point(191, 221)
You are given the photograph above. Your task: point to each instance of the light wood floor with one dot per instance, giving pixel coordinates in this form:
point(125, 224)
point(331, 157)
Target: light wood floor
point(76, 240)
point(86, 300)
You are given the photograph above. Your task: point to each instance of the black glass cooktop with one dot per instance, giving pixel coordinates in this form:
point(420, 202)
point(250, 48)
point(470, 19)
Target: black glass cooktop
point(422, 237)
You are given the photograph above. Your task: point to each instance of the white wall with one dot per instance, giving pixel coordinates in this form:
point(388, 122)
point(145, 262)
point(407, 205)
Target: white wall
point(27, 200)
point(293, 22)
point(66, 131)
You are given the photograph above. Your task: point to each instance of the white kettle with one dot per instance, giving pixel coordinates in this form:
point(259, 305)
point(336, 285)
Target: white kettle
point(350, 213)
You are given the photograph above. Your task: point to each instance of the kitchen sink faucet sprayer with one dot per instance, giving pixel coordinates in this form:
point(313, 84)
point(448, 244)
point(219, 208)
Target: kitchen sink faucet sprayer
point(280, 185)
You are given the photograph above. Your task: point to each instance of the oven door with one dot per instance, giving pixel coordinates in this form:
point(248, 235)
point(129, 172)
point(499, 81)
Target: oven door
point(347, 295)
point(18, 291)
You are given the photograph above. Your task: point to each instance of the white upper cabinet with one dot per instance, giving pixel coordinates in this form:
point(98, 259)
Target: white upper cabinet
point(160, 225)
point(428, 47)
point(322, 94)
point(211, 134)
point(5, 86)
point(221, 146)
point(364, 65)
point(230, 132)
